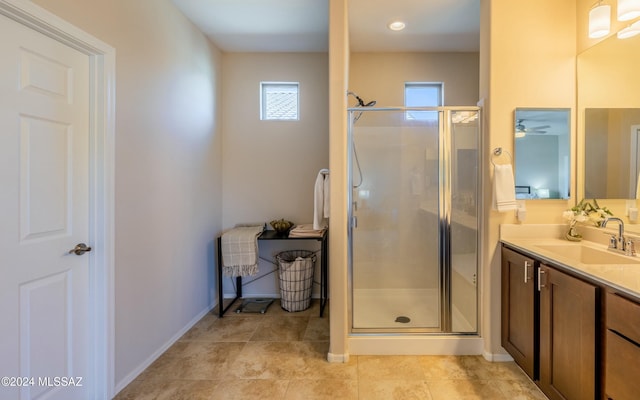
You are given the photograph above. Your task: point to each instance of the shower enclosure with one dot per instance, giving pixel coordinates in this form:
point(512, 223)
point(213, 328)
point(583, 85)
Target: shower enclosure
point(413, 232)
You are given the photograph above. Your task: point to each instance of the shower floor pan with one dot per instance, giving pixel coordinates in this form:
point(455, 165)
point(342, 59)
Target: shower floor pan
point(396, 308)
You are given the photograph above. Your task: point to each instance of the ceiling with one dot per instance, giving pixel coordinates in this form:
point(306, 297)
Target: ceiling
point(551, 121)
point(302, 25)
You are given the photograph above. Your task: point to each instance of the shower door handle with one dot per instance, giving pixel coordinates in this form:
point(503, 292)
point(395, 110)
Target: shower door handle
point(354, 222)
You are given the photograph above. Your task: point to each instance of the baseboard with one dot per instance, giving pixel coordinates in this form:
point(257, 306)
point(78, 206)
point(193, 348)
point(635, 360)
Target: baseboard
point(337, 358)
point(415, 345)
point(134, 374)
point(497, 357)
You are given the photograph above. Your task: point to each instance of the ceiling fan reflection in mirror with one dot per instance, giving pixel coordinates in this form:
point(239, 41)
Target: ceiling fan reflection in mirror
point(522, 130)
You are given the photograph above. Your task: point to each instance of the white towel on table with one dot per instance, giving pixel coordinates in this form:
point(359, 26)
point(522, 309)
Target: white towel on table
point(306, 230)
point(321, 199)
point(504, 189)
point(240, 251)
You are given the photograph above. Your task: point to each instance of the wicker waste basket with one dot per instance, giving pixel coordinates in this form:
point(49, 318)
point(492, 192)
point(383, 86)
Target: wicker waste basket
point(295, 271)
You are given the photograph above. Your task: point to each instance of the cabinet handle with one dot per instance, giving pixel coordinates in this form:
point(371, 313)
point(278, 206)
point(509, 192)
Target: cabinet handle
point(540, 285)
point(526, 271)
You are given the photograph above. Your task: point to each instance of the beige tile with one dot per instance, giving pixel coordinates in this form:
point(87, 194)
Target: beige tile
point(393, 390)
point(390, 368)
point(205, 322)
point(290, 360)
point(313, 311)
point(206, 360)
point(269, 360)
point(317, 329)
point(317, 366)
point(231, 310)
point(250, 389)
point(479, 368)
point(444, 367)
point(322, 389)
point(176, 350)
point(187, 390)
point(162, 369)
point(279, 329)
point(223, 330)
point(282, 355)
point(139, 389)
point(520, 390)
point(464, 389)
point(168, 390)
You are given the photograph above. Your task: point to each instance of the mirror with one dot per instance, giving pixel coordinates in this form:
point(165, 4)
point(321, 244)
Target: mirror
point(608, 111)
point(612, 153)
point(542, 153)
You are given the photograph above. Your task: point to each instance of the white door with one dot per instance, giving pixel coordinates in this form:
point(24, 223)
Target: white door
point(44, 213)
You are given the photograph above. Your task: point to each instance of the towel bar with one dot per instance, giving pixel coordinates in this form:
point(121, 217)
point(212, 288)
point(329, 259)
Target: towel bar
point(497, 152)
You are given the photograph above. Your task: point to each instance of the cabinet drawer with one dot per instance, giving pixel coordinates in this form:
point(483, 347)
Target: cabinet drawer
point(622, 368)
point(623, 316)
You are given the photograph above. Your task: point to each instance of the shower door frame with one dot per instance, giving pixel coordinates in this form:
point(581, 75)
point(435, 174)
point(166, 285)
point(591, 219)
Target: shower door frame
point(444, 218)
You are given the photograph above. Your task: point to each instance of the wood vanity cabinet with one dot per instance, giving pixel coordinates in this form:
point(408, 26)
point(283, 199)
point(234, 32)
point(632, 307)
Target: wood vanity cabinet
point(567, 336)
point(622, 348)
point(549, 326)
point(519, 310)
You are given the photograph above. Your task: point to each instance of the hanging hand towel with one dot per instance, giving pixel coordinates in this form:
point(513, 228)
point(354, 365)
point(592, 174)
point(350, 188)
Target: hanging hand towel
point(321, 199)
point(504, 190)
point(240, 251)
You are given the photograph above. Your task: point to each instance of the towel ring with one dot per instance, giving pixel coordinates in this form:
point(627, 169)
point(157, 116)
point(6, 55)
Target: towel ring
point(497, 152)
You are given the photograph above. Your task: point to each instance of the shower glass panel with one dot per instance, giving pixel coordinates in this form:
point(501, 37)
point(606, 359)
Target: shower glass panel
point(414, 231)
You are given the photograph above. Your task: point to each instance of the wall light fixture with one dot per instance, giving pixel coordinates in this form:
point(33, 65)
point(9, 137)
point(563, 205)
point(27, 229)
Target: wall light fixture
point(599, 20)
point(629, 31)
point(628, 9)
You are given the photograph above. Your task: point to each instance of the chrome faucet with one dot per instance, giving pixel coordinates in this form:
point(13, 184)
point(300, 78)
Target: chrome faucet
point(619, 242)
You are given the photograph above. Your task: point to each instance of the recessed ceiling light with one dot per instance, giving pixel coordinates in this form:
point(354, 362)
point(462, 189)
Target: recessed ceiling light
point(397, 26)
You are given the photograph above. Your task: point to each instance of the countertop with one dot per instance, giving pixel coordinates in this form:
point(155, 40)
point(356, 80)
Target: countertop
point(621, 277)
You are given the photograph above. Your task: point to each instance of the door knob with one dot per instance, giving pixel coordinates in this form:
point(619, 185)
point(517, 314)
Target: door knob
point(80, 249)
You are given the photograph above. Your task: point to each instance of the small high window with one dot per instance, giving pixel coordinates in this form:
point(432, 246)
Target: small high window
point(279, 100)
point(423, 94)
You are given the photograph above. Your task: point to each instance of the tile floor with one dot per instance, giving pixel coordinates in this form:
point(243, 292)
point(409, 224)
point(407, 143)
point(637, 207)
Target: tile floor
point(281, 355)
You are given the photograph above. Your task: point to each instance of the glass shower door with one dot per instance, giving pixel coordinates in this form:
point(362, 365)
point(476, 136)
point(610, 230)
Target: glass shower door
point(463, 132)
point(414, 231)
point(395, 231)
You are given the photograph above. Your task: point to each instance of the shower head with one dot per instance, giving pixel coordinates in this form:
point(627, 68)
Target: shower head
point(361, 102)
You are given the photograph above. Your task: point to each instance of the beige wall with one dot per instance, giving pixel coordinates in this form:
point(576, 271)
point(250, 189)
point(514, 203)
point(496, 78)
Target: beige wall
point(381, 76)
point(271, 166)
point(167, 170)
point(531, 63)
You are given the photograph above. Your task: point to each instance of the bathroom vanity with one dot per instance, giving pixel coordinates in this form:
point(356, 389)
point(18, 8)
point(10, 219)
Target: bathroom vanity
point(571, 316)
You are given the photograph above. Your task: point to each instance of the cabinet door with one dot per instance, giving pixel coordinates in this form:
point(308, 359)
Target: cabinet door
point(622, 368)
point(519, 310)
point(622, 352)
point(567, 336)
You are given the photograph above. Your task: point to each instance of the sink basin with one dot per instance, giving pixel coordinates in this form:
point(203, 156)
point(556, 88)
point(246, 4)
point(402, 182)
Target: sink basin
point(588, 255)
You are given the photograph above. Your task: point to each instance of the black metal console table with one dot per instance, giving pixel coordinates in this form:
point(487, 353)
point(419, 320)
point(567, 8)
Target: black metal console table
point(271, 235)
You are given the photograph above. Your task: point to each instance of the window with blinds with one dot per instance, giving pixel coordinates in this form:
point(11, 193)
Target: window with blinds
point(279, 101)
